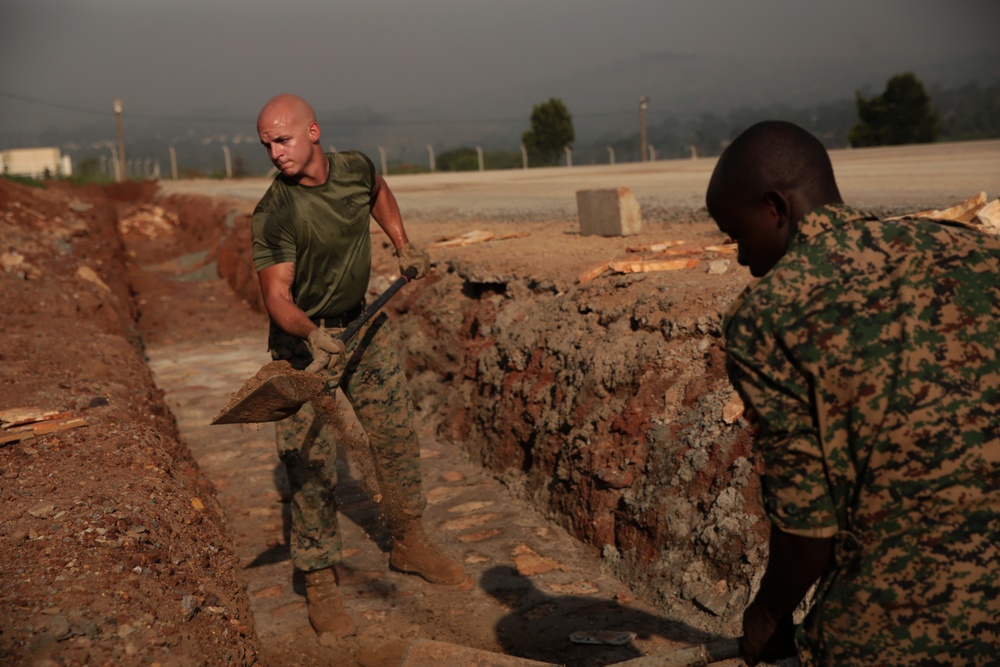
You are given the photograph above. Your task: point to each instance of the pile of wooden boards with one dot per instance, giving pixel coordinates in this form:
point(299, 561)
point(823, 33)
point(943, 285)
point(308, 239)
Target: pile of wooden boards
point(17, 424)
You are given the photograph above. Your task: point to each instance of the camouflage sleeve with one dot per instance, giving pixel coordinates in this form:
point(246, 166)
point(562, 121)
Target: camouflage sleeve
point(794, 488)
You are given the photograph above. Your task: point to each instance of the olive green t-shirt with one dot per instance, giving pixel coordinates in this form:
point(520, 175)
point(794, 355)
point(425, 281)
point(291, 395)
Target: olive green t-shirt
point(323, 229)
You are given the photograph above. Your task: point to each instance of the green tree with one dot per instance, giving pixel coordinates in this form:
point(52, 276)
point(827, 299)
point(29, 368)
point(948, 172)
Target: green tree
point(459, 159)
point(900, 115)
point(551, 131)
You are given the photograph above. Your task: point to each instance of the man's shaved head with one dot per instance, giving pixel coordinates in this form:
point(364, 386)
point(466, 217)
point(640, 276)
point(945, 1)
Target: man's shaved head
point(774, 155)
point(288, 130)
point(771, 176)
point(288, 108)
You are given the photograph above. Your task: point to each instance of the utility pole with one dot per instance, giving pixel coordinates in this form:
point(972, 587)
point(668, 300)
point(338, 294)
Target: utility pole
point(173, 163)
point(642, 126)
point(121, 139)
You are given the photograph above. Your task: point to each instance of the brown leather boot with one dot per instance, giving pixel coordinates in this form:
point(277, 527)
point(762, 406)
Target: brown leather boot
point(326, 610)
point(412, 552)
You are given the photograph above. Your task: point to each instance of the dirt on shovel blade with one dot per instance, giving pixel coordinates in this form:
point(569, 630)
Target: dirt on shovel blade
point(275, 392)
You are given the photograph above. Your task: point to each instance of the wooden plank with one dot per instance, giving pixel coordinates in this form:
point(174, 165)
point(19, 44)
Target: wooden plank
point(679, 251)
point(18, 416)
point(471, 238)
point(654, 247)
point(592, 273)
point(725, 249)
point(645, 266)
point(468, 238)
point(27, 432)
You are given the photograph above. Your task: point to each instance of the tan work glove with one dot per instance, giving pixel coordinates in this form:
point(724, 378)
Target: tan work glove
point(410, 255)
point(326, 349)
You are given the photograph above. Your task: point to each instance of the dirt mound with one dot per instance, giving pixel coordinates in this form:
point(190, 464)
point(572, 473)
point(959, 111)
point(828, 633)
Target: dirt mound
point(114, 545)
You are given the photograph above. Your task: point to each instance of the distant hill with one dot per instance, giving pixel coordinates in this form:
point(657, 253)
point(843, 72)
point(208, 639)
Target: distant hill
point(603, 100)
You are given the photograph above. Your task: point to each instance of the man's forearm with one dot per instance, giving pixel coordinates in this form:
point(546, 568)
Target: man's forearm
point(793, 565)
point(386, 212)
point(288, 317)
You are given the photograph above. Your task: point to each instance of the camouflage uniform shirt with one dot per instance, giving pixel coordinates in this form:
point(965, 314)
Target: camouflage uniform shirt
point(869, 355)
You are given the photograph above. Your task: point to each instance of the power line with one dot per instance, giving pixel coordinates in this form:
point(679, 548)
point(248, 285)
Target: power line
point(330, 121)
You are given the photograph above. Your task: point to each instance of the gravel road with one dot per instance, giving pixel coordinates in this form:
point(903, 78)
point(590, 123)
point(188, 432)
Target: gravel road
point(906, 177)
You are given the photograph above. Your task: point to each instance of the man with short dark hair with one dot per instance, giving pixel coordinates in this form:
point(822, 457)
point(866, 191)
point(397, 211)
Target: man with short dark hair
point(867, 354)
point(312, 251)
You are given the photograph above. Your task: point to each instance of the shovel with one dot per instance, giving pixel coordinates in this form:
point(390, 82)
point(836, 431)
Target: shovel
point(428, 653)
point(278, 391)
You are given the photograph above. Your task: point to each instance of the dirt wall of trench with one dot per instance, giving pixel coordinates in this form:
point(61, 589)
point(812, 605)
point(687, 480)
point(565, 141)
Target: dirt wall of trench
point(606, 404)
point(114, 549)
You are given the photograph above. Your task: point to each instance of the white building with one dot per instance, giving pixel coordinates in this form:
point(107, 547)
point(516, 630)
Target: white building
point(35, 163)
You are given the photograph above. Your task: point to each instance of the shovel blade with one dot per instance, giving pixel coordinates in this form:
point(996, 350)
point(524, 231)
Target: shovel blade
point(277, 391)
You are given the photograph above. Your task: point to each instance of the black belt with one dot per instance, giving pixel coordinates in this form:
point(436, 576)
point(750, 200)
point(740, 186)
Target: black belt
point(342, 320)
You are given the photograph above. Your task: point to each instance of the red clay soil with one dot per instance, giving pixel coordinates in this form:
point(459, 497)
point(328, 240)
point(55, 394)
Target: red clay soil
point(113, 545)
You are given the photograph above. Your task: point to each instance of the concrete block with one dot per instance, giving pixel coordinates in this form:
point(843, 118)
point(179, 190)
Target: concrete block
point(610, 212)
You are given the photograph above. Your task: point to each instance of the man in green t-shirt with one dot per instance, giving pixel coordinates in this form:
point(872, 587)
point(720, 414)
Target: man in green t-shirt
point(312, 252)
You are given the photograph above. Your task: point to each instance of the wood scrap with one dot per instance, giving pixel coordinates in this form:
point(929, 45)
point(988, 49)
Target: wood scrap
point(962, 212)
point(974, 213)
point(645, 266)
point(29, 431)
point(654, 247)
point(18, 416)
point(679, 251)
point(725, 249)
point(591, 273)
point(476, 236)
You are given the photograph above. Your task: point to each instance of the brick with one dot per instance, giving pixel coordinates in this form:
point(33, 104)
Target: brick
point(610, 212)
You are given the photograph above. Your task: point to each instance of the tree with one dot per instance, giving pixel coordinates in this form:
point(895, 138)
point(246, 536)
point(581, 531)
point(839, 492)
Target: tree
point(551, 131)
point(901, 115)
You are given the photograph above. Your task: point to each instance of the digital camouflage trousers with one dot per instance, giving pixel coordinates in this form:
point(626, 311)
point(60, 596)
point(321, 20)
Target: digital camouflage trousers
point(375, 386)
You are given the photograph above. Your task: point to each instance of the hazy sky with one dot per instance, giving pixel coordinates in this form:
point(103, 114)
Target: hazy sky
point(182, 56)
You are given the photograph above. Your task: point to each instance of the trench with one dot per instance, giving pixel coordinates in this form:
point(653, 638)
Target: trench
point(605, 406)
point(601, 409)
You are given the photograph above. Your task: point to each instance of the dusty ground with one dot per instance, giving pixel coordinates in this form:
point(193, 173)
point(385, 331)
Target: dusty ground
point(136, 542)
point(578, 451)
point(114, 548)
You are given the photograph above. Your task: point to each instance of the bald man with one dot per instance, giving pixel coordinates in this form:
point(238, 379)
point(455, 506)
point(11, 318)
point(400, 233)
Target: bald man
point(312, 252)
point(867, 355)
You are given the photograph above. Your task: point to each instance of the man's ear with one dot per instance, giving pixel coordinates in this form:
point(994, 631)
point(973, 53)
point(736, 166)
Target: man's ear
point(780, 207)
point(314, 132)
